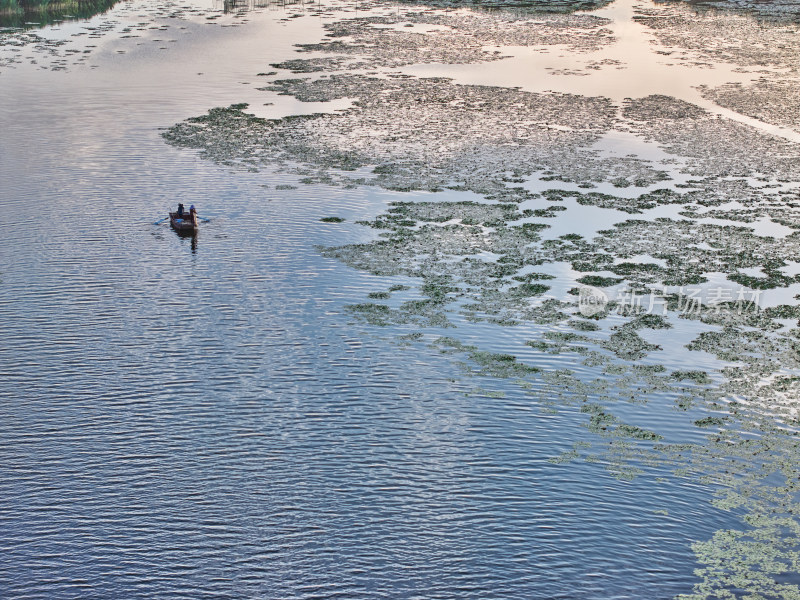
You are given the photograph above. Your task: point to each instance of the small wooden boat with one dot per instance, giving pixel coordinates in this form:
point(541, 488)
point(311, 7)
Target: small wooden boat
point(184, 224)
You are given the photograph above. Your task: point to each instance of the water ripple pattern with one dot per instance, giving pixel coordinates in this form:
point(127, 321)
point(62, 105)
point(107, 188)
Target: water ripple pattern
point(203, 418)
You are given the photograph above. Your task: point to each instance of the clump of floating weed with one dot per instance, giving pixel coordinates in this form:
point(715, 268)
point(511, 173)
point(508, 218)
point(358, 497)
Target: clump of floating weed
point(557, 342)
point(570, 455)
point(629, 345)
point(521, 10)
point(583, 325)
point(649, 321)
point(374, 314)
point(635, 205)
point(422, 313)
point(406, 214)
point(714, 147)
point(318, 65)
point(686, 251)
point(699, 377)
point(605, 423)
point(725, 37)
point(710, 422)
point(529, 277)
point(774, 102)
point(599, 280)
point(485, 363)
point(698, 198)
point(414, 336)
point(500, 365)
point(461, 37)
point(779, 11)
point(783, 311)
point(450, 345)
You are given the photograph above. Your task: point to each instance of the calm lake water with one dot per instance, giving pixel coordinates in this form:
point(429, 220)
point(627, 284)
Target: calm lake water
point(192, 418)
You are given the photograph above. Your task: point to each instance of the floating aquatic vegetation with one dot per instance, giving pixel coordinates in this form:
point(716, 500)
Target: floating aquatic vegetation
point(716, 147)
point(473, 259)
point(422, 313)
point(700, 377)
point(635, 205)
point(710, 422)
point(448, 37)
point(685, 251)
point(629, 345)
point(756, 475)
point(318, 65)
point(500, 365)
point(759, 354)
point(583, 325)
point(775, 102)
point(605, 423)
point(485, 260)
point(599, 280)
point(699, 197)
point(423, 36)
point(525, 7)
point(482, 363)
point(722, 37)
point(448, 136)
point(557, 342)
point(406, 214)
point(775, 10)
point(444, 254)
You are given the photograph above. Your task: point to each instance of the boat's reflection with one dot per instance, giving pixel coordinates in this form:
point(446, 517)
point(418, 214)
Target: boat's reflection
point(192, 236)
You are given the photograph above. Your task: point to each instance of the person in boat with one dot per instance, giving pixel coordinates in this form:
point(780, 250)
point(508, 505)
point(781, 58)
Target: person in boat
point(180, 211)
point(193, 214)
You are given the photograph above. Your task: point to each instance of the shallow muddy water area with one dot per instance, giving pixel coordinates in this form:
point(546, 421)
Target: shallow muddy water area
point(488, 301)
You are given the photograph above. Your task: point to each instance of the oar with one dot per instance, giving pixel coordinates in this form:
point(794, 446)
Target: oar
point(160, 221)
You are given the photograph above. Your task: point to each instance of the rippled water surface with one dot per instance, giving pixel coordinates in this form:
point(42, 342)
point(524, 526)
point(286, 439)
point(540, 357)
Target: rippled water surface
point(212, 417)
